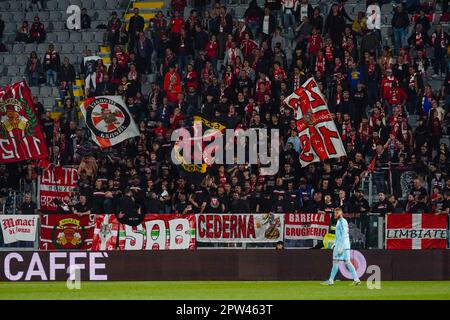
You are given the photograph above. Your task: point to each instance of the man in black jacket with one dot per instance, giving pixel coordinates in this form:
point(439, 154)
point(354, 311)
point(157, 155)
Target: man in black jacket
point(66, 77)
point(143, 49)
point(400, 23)
point(85, 19)
point(225, 26)
point(136, 26)
point(268, 24)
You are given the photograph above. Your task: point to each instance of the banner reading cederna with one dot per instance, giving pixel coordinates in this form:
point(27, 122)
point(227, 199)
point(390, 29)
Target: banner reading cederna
point(240, 227)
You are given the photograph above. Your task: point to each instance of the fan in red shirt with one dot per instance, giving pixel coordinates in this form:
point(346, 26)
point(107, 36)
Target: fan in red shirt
point(314, 43)
point(387, 83)
point(396, 96)
point(211, 48)
point(248, 45)
point(122, 57)
point(176, 23)
point(191, 77)
point(278, 73)
point(172, 84)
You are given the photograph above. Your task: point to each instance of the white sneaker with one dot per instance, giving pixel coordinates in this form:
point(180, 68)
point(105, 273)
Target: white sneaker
point(327, 283)
point(355, 283)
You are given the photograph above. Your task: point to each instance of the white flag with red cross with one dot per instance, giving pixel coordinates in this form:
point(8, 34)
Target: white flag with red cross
point(319, 138)
point(416, 231)
point(109, 120)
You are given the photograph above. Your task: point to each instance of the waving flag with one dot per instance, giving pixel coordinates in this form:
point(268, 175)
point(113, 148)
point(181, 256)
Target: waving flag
point(109, 120)
point(426, 105)
point(317, 131)
point(21, 135)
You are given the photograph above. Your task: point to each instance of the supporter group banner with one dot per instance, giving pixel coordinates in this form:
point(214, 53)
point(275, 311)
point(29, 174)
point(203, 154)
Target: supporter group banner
point(18, 227)
point(416, 231)
point(156, 232)
point(109, 120)
point(305, 226)
point(21, 135)
point(56, 183)
point(317, 131)
point(240, 227)
point(67, 231)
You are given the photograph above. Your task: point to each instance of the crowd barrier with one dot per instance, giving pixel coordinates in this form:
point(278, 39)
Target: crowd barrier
point(211, 231)
point(225, 265)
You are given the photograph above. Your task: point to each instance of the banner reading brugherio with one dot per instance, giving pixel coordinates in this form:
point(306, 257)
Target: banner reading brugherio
point(67, 231)
point(317, 131)
point(304, 226)
point(18, 227)
point(56, 183)
point(416, 231)
point(240, 227)
point(156, 232)
point(21, 135)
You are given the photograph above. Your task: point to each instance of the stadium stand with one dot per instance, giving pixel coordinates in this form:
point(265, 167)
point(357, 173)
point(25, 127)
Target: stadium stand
point(372, 171)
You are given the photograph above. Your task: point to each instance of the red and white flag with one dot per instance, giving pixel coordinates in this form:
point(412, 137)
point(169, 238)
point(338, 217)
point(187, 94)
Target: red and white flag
point(416, 231)
point(21, 136)
point(319, 138)
point(109, 120)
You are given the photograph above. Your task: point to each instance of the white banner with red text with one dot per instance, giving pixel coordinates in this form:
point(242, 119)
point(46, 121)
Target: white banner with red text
point(240, 227)
point(306, 226)
point(56, 183)
point(18, 227)
point(156, 232)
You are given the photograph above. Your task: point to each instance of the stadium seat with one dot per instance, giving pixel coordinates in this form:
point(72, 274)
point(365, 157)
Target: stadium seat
point(21, 59)
point(75, 37)
point(67, 48)
point(51, 5)
point(87, 37)
point(13, 70)
point(63, 36)
point(9, 60)
point(45, 91)
point(42, 48)
point(34, 91)
point(100, 4)
point(55, 16)
point(18, 48)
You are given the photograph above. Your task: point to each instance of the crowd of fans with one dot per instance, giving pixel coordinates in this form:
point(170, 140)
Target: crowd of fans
point(237, 72)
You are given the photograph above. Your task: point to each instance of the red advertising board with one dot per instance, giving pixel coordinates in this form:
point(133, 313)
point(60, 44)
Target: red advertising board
point(156, 232)
point(304, 226)
point(416, 231)
point(56, 183)
point(67, 231)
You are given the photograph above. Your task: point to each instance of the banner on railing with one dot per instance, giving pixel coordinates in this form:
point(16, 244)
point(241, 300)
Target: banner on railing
point(416, 231)
point(67, 231)
point(305, 226)
point(156, 232)
point(240, 227)
point(18, 227)
point(56, 183)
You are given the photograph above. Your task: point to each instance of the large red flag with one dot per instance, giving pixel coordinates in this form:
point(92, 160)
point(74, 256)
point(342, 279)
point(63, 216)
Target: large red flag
point(21, 135)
